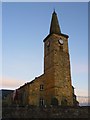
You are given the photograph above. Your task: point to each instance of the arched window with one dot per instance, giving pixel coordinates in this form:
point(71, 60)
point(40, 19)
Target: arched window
point(41, 102)
point(41, 87)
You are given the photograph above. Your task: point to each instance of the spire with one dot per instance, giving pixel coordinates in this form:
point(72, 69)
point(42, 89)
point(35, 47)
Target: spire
point(54, 27)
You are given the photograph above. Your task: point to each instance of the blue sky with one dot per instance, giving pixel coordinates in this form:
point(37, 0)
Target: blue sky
point(24, 27)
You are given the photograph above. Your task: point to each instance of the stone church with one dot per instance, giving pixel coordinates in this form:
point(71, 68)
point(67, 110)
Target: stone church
point(54, 86)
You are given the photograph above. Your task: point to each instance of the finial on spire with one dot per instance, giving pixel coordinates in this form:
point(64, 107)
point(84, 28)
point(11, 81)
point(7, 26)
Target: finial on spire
point(54, 11)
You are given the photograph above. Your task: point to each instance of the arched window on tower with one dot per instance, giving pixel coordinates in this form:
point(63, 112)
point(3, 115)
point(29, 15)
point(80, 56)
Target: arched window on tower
point(41, 87)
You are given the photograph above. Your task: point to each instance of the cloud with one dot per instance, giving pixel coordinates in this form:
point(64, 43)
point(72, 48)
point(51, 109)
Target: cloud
point(83, 101)
point(80, 92)
point(11, 83)
point(82, 97)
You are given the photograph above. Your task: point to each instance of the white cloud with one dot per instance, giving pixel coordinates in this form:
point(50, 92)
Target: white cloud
point(11, 83)
point(82, 97)
point(83, 101)
point(80, 92)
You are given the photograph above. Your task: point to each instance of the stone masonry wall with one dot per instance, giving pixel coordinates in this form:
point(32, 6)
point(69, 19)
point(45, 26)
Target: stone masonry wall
point(48, 113)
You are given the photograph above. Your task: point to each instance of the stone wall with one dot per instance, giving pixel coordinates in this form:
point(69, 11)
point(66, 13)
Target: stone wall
point(36, 112)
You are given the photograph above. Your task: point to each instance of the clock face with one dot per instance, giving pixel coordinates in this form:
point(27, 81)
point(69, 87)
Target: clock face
point(61, 41)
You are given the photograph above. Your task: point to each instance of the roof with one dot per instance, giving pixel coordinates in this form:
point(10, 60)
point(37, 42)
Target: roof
point(54, 27)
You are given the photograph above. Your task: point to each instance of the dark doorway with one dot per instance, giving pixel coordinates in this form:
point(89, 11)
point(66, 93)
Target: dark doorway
point(64, 102)
point(54, 102)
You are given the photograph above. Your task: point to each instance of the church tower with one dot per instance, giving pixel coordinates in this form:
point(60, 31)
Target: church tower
point(57, 66)
point(54, 86)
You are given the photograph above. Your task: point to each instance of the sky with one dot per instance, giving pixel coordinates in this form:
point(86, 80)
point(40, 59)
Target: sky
point(24, 27)
point(44, 0)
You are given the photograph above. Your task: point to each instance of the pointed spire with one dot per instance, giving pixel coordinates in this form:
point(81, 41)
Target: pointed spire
point(54, 27)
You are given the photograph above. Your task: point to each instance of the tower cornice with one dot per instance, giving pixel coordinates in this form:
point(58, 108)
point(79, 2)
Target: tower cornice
point(64, 35)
